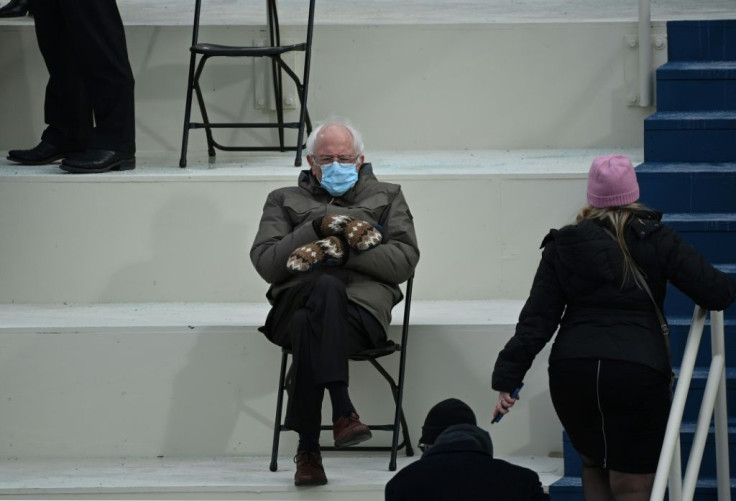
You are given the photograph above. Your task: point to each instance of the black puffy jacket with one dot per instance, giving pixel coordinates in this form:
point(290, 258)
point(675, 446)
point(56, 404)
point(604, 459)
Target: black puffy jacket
point(578, 287)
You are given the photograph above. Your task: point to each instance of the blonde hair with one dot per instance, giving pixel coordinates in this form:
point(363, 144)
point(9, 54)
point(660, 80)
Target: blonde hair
point(618, 217)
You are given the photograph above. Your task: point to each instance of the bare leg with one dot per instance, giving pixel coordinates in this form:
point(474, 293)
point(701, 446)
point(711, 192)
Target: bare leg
point(596, 485)
point(631, 486)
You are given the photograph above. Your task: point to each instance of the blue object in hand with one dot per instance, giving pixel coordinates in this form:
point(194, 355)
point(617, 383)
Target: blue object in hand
point(514, 395)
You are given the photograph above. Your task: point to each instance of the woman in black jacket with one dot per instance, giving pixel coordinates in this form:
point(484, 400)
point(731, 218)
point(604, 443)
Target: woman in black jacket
point(609, 369)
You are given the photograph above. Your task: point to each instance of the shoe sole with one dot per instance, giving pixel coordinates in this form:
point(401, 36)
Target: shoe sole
point(45, 161)
point(128, 164)
point(305, 483)
point(354, 439)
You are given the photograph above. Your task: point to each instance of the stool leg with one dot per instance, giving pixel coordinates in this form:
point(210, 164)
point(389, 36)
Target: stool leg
point(187, 113)
point(279, 407)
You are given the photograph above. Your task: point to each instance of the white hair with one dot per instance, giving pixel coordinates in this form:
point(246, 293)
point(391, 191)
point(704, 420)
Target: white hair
point(358, 145)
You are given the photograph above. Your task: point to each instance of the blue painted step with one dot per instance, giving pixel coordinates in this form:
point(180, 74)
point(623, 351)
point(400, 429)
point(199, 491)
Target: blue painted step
point(687, 187)
point(570, 489)
point(679, 136)
point(676, 303)
point(695, 399)
point(713, 235)
point(679, 328)
point(701, 40)
point(696, 86)
point(574, 468)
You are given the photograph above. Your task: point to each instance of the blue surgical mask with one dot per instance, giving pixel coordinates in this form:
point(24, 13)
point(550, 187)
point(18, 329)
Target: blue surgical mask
point(338, 178)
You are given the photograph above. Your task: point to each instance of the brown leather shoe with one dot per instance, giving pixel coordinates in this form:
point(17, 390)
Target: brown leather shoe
point(348, 430)
point(309, 469)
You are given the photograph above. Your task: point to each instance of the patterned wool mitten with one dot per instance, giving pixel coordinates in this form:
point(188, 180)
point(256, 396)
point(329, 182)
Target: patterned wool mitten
point(328, 251)
point(360, 235)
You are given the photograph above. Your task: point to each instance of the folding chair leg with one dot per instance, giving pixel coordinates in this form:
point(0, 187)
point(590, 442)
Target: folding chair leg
point(305, 87)
point(279, 406)
point(187, 114)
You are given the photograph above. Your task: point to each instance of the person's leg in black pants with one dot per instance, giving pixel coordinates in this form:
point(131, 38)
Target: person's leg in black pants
point(97, 38)
point(67, 110)
point(322, 328)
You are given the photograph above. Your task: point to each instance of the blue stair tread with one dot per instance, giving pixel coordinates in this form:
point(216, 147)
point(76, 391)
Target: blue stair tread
point(567, 482)
point(691, 120)
point(687, 167)
point(707, 221)
point(688, 427)
point(680, 320)
point(700, 374)
point(697, 70)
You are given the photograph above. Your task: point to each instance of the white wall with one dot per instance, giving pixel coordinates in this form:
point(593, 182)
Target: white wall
point(477, 86)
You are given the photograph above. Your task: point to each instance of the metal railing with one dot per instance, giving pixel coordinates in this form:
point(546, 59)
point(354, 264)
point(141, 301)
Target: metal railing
point(646, 77)
point(714, 399)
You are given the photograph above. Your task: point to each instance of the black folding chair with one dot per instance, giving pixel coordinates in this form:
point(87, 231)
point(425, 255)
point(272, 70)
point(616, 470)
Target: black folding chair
point(274, 51)
point(397, 390)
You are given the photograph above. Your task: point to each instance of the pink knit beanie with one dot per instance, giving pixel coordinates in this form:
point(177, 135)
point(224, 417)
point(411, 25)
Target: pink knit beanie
point(612, 182)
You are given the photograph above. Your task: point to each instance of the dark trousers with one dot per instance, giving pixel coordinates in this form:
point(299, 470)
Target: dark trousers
point(89, 96)
point(323, 328)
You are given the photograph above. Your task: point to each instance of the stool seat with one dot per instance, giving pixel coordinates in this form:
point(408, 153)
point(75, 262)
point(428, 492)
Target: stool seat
point(211, 49)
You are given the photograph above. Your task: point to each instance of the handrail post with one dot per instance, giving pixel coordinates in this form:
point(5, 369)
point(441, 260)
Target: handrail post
point(672, 433)
point(645, 54)
point(718, 348)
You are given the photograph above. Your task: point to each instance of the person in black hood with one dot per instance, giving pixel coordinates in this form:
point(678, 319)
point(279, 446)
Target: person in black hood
point(458, 463)
point(609, 369)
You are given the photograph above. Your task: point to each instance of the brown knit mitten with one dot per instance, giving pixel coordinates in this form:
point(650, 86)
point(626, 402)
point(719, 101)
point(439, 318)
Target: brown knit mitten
point(360, 235)
point(329, 251)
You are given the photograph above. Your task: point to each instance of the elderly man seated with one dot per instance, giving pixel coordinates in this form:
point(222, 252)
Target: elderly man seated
point(334, 249)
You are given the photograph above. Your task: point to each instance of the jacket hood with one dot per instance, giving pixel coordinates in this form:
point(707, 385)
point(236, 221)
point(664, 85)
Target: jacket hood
point(589, 250)
point(462, 437)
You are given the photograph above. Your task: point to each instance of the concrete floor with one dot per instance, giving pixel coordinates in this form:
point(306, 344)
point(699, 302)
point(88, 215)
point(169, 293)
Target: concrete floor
point(238, 12)
point(242, 477)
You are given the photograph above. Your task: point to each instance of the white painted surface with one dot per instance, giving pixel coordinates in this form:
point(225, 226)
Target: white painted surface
point(164, 234)
point(350, 476)
point(433, 86)
point(180, 12)
point(121, 387)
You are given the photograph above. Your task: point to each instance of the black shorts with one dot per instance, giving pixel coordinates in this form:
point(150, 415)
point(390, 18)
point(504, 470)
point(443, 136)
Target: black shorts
point(615, 412)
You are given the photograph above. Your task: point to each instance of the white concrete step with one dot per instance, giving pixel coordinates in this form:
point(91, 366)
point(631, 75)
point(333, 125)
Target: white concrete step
point(351, 477)
point(198, 380)
point(165, 234)
point(421, 79)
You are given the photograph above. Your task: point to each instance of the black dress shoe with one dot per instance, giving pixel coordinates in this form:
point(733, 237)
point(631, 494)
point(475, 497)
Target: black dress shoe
point(43, 153)
point(94, 161)
point(15, 8)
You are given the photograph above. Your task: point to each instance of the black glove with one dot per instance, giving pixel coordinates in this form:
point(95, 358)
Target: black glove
point(329, 251)
point(360, 235)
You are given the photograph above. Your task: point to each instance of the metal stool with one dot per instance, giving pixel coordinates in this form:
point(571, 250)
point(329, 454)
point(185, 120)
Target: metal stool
point(274, 51)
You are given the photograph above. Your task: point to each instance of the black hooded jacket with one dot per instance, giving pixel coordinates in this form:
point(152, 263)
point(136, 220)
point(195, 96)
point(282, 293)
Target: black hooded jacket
point(460, 466)
point(579, 287)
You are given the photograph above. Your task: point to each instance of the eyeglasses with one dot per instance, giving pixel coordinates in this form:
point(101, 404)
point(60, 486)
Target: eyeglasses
point(343, 159)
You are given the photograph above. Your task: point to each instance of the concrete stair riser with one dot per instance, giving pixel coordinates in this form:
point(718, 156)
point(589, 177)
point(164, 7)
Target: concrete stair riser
point(211, 391)
point(570, 489)
point(425, 79)
point(678, 304)
point(177, 238)
point(688, 187)
point(713, 235)
point(701, 40)
point(696, 86)
point(690, 137)
point(679, 328)
point(573, 466)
